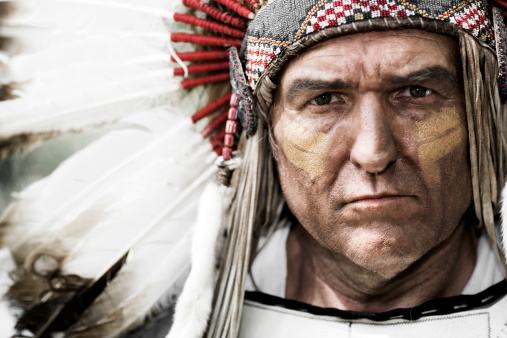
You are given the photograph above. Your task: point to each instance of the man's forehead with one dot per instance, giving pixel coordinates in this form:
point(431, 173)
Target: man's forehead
point(378, 37)
point(390, 54)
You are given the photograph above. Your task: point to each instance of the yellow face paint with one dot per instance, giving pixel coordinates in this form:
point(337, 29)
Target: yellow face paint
point(437, 136)
point(305, 149)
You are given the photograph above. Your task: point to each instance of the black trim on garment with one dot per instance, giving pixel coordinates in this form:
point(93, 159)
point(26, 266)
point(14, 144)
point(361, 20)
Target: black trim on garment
point(439, 306)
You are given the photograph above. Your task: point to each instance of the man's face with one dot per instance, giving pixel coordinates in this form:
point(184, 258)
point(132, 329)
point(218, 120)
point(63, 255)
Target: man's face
point(372, 145)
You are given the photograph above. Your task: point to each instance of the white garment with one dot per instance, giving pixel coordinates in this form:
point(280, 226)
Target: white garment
point(488, 269)
point(276, 318)
point(268, 321)
point(269, 269)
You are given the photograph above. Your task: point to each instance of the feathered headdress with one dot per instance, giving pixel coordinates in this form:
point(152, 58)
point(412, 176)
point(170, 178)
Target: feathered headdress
point(104, 243)
point(140, 90)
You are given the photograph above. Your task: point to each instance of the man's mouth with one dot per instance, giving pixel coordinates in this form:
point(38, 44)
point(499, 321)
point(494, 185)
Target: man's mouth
point(374, 201)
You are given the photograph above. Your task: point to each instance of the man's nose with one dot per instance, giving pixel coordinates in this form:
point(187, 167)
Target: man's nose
point(374, 147)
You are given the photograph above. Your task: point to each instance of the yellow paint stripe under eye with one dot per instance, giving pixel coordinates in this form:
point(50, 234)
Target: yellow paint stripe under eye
point(438, 135)
point(305, 149)
point(431, 152)
point(436, 125)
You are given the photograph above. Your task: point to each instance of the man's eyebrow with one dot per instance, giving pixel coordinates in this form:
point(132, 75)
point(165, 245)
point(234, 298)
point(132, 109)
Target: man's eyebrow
point(431, 73)
point(313, 84)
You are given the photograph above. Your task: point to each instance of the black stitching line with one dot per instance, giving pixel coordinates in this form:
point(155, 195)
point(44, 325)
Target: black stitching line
point(442, 306)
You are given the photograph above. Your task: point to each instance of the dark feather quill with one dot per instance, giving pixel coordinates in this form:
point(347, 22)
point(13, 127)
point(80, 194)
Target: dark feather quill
point(60, 304)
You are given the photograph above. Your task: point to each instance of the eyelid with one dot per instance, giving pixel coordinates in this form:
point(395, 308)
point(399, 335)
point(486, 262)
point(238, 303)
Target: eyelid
point(405, 90)
point(334, 98)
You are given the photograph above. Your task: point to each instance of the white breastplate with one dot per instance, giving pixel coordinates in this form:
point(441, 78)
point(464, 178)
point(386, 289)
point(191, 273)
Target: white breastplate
point(264, 318)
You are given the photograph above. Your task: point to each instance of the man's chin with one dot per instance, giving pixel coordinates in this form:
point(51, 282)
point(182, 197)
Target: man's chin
point(383, 256)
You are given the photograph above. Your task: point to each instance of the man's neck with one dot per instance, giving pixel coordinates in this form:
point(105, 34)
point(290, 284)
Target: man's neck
point(322, 278)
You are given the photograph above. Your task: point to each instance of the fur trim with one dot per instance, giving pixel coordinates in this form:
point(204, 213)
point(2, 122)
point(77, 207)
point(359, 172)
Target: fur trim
point(194, 305)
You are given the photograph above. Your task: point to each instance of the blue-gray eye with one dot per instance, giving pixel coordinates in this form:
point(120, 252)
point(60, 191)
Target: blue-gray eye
point(323, 99)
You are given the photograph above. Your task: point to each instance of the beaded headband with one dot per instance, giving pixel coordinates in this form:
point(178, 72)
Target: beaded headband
point(284, 28)
point(273, 30)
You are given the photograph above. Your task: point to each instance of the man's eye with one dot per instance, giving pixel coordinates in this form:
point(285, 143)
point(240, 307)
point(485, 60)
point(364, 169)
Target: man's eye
point(322, 99)
point(417, 91)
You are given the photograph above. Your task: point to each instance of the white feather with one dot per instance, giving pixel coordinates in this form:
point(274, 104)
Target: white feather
point(101, 71)
point(141, 282)
point(20, 216)
point(129, 207)
point(82, 179)
point(194, 305)
point(77, 68)
point(84, 107)
point(165, 233)
point(158, 202)
point(58, 22)
point(98, 54)
point(144, 280)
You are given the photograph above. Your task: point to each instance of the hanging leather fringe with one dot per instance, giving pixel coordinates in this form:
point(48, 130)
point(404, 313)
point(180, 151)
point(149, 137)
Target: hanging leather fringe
point(254, 209)
point(483, 108)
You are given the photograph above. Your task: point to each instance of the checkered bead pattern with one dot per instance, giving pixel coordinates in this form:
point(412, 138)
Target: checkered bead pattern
point(268, 38)
point(260, 53)
point(474, 19)
point(340, 12)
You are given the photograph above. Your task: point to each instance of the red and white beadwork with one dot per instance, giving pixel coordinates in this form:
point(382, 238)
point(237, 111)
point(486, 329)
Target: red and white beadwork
point(339, 12)
point(260, 53)
point(474, 19)
point(230, 127)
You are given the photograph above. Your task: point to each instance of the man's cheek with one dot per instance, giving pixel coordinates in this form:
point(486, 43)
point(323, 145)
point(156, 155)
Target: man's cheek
point(305, 149)
point(437, 136)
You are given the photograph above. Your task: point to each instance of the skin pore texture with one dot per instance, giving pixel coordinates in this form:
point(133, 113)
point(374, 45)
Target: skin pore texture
point(372, 154)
